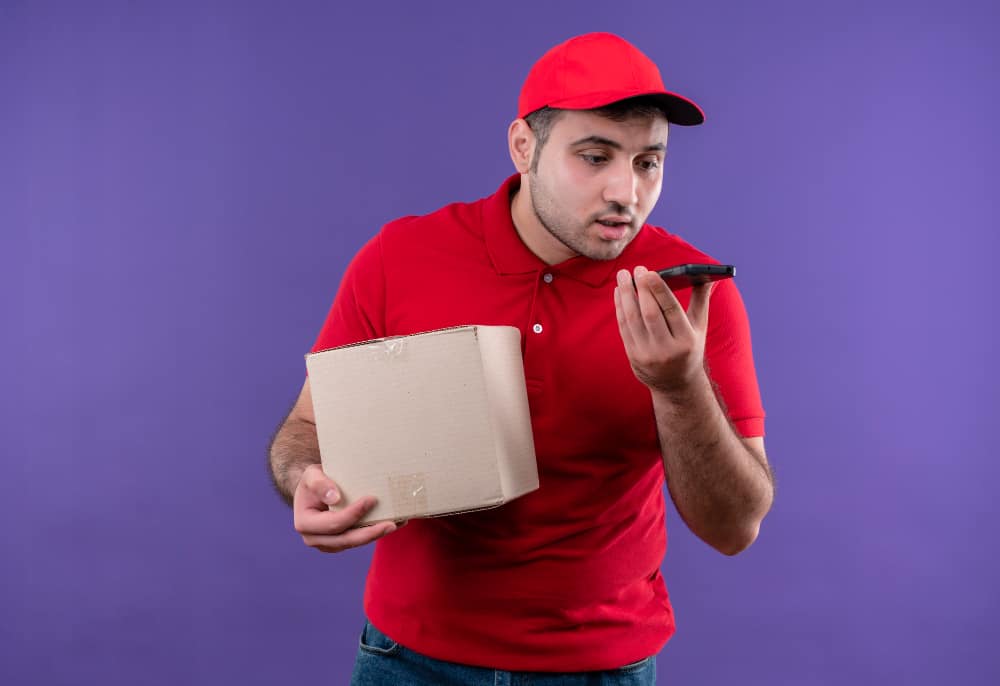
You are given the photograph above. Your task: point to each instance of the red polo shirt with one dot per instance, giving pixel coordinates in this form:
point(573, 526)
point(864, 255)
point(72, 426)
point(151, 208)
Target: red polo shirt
point(566, 578)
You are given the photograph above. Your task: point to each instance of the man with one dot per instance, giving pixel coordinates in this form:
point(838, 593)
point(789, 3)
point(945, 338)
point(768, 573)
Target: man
point(628, 383)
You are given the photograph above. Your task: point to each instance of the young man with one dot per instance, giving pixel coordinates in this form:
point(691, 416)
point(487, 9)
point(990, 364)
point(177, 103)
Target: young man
point(628, 383)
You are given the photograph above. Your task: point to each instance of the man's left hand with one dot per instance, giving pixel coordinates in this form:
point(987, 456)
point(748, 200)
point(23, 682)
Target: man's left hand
point(665, 345)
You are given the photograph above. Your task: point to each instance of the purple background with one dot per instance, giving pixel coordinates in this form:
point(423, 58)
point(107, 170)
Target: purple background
point(182, 185)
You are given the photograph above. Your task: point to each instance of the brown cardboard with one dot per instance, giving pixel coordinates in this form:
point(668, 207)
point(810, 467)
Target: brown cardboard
point(430, 424)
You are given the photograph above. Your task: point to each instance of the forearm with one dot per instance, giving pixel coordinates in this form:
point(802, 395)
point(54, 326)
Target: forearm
point(294, 448)
point(721, 489)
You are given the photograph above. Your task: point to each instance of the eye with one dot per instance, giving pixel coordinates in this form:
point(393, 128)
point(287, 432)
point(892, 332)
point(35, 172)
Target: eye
point(593, 159)
point(649, 164)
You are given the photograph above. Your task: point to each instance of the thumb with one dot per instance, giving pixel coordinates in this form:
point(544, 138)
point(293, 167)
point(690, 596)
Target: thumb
point(315, 480)
point(697, 310)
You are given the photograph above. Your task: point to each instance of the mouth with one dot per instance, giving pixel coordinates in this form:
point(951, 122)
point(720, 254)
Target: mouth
point(613, 228)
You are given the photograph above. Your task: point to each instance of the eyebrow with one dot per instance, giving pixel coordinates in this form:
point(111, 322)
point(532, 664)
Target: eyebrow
point(600, 140)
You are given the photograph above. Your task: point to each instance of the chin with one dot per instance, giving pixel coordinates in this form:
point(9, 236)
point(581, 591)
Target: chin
point(609, 250)
point(606, 252)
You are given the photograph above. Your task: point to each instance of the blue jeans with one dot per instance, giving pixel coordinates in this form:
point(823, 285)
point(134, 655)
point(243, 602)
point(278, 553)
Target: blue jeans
point(383, 662)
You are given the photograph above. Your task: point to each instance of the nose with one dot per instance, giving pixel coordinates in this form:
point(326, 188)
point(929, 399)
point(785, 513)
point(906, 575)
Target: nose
point(621, 187)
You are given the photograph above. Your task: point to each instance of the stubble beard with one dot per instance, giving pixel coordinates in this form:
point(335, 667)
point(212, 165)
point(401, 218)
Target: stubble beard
point(561, 229)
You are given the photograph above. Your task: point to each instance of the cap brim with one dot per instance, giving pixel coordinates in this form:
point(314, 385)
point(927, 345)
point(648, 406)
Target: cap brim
point(677, 109)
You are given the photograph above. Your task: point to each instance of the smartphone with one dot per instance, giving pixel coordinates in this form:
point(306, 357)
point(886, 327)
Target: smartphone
point(688, 275)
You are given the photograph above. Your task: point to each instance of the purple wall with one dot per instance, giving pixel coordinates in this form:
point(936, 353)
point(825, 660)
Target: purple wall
point(182, 186)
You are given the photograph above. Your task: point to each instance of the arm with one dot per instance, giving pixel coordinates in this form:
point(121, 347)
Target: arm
point(721, 484)
point(294, 446)
point(294, 462)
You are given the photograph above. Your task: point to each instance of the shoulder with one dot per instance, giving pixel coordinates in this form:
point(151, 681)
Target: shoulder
point(456, 222)
point(451, 221)
point(654, 243)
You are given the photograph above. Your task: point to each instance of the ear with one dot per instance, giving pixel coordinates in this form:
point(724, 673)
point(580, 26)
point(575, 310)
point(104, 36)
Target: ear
point(521, 141)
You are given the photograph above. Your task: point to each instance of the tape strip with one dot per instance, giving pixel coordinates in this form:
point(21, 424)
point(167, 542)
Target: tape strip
point(409, 494)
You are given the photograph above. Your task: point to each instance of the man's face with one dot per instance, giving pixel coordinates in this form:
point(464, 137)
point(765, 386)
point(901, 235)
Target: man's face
point(596, 180)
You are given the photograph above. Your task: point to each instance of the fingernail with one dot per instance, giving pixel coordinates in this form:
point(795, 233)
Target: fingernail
point(640, 270)
point(331, 497)
point(623, 277)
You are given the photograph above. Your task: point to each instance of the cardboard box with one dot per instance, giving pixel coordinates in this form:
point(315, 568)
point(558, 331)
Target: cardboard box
point(430, 424)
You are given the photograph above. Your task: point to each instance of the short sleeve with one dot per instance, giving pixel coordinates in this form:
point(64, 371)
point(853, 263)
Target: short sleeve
point(729, 359)
point(358, 310)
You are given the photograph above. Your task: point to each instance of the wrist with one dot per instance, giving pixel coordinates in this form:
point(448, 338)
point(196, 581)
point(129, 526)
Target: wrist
point(684, 393)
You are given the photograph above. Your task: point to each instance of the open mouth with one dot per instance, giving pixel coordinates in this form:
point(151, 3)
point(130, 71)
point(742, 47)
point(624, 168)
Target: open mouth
point(612, 230)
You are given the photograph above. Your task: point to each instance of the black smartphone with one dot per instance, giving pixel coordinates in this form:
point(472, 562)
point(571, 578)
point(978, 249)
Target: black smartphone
point(688, 275)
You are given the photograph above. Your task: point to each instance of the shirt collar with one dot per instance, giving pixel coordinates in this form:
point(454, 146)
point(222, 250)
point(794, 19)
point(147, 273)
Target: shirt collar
point(510, 255)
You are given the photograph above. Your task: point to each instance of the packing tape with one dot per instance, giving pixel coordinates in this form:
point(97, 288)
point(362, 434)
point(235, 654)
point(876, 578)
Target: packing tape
point(388, 349)
point(408, 493)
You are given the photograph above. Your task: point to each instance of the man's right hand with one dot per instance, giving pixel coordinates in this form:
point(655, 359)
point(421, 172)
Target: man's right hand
point(327, 530)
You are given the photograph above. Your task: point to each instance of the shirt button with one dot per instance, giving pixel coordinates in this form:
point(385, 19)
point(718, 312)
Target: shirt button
point(537, 328)
point(547, 278)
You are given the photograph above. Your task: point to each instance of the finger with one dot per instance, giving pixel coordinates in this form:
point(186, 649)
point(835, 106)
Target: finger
point(652, 314)
point(630, 307)
point(351, 539)
point(322, 487)
point(323, 522)
point(668, 305)
point(623, 328)
point(697, 311)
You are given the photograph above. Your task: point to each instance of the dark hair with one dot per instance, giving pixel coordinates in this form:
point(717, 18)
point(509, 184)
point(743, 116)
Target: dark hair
point(541, 121)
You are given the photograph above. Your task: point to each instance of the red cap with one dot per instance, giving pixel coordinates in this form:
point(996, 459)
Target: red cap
point(597, 69)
